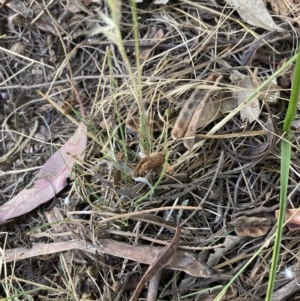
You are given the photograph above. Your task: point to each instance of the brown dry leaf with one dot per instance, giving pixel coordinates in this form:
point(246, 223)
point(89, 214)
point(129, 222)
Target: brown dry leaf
point(186, 114)
point(193, 124)
point(190, 116)
point(159, 262)
point(51, 179)
point(211, 112)
point(271, 92)
point(252, 226)
point(154, 162)
point(45, 23)
point(145, 54)
point(252, 111)
point(255, 13)
point(87, 2)
point(73, 7)
point(280, 7)
point(19, 7)
point(181, 261)
point(15, 19)
point(155, 37)
point(288, 9)
point(228, 105)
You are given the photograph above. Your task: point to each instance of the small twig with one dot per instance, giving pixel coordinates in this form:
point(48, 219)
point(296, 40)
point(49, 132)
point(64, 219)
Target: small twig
point(78, 97)
point(153, 287)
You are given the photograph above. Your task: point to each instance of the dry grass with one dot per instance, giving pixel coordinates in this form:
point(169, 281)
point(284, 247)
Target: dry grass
point(132, 105)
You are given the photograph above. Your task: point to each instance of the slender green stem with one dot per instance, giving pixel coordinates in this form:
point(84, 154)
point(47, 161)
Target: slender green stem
point(284, 175)
point(145, 135)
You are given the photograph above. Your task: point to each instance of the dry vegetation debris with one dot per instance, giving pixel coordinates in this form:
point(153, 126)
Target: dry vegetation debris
point(172, 176)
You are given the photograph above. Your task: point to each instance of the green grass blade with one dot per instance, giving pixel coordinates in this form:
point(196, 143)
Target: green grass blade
point(292, 108)
point(284, 175)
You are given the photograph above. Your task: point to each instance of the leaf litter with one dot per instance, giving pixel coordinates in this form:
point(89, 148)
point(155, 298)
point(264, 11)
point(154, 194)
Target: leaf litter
point(51, 179)
point(163, 87)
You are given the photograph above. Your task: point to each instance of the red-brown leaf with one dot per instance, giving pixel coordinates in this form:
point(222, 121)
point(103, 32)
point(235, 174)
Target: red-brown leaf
point(51, 179)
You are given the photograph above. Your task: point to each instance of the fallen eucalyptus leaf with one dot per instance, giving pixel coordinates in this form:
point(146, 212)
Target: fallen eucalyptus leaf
point(182, 261)
point(51, 179)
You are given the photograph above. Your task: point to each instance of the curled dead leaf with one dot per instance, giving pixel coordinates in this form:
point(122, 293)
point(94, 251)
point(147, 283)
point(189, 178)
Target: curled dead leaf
point(284, 80)
point(154, 162)
point(193, 125)
point(159, 262)
point(252, 226)
point(155, 37)
point(186, 114)
point(286, 9)
point(279, 7)
point(189, 117)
